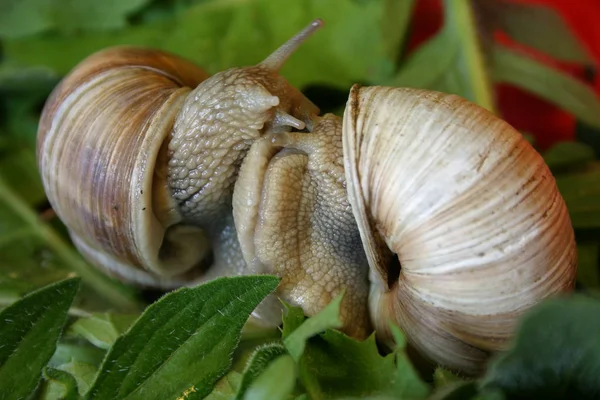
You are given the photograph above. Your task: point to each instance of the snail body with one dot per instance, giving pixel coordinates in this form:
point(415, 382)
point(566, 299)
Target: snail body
point(426, 210)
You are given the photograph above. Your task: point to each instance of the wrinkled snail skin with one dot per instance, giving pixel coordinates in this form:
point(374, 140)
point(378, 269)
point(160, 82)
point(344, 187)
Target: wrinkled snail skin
point(469, 208)
point(456, 195)
point(293, 220)
point(424, 209)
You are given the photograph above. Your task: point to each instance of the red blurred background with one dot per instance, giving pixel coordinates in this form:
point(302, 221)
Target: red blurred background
point(526, 112)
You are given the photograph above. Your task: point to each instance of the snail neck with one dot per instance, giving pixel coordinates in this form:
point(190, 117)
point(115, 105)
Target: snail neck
point(214, 129)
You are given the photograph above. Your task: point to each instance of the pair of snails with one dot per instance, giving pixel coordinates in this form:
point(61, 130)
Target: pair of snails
point(427, 210)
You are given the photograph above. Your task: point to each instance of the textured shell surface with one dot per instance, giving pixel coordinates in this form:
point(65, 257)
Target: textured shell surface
point(99, 138)
point(471, 212)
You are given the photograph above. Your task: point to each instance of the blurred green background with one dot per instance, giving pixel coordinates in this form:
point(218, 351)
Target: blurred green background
point(363, 41)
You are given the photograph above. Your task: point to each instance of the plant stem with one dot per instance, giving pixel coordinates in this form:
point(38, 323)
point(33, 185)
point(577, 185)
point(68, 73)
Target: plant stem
point(116, 293)
point(460, 19)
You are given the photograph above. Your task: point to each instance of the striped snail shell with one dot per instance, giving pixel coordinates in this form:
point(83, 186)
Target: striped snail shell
point(462, 222)
point(99, 140)
point(139, 149)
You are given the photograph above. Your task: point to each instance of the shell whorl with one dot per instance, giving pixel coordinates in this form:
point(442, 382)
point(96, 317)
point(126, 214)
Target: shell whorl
point(469, 208)
point(99, 138)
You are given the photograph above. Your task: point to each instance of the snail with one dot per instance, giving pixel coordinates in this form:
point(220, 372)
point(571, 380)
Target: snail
point(424, 209)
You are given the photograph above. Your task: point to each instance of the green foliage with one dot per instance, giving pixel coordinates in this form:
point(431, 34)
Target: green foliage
point(69, 351)
point(187, 339)
point(327, 318)
point(227, 387)
point(453, 59)
point(335, 365)
point(540, 28)
point(20, 224)
point(581, 191)
point(565, 155)
point(588, 273)
point(563, 90)
point(83, 373)
point(556, 354)
point(407, 382)
point(443, 377)
point(190, 343)
point(27, 17)
point(293, 317)
point(258, 362)
point(102, 329)
point(248, 31)
point(29, 330)
point(276, 382)
point(61, 385)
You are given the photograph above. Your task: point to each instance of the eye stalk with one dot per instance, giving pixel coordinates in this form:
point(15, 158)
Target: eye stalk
point(223, 116)
point(276, 60)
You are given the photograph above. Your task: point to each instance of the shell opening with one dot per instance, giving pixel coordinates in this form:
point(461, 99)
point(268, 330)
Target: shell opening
point(393, 271)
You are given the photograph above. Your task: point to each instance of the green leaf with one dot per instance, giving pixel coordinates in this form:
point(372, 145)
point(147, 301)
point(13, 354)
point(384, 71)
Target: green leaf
point(456, 391)
point(61, 385)
point(556, 354)
point(276, 382)
point(250, 340)
point(293, 317)
point(258, 362)
point(438, 53)
point(468, 77)
point(29, 331)
point(32, 81)
point(490, 395)
point(19, 168)
point(407, 381)
point(588, 135)
point(27, 17)
point(22, 93)
point(102, 329)
point(76, 352)
point(335, 365)
point(568, 154)
point(395, 24)
point(588, 270)
point(541, 28)
point(455, 63)
point(20, 224)
point(552, 85)
point(226, 387)
point(83, 373)
point(226, 33)
point(187, 339)
point(581, 192)
point(443, 377)
point(26, 263)
point(27, 260)
point(328, 317)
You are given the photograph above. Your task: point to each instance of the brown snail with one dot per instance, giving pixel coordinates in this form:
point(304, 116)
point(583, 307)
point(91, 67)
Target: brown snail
point(427, 210)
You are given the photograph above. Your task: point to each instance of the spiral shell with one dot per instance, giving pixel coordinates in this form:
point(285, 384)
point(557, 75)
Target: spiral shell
point(471, 212)
point(100, 135)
